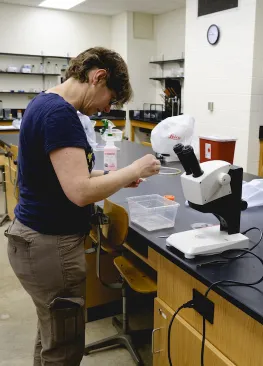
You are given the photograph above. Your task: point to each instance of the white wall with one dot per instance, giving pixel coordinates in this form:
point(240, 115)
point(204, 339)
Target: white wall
point(136, 52)
point(119, 34)
point(170, 34)
point(32, 30)
point(139, 54)
point(168, 40)
point(221, 74)
point(119, 37)
point(170, 44)
point(256, 112)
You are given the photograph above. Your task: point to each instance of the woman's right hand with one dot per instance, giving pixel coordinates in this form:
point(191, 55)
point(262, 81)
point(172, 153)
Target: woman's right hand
point(146, 166)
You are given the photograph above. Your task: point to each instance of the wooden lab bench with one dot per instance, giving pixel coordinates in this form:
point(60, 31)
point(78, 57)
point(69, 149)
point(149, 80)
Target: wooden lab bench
point(236, 336)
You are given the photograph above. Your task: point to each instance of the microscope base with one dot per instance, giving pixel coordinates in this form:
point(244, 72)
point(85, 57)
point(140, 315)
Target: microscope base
point(206, 241)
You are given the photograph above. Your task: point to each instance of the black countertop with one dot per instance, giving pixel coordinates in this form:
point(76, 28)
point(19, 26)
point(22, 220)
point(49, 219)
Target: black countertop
point(111, 118)
point(247, 269)
point(9, 138)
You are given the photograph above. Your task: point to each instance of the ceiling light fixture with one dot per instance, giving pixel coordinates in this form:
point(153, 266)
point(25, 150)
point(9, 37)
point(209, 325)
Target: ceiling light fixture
point(60, 4)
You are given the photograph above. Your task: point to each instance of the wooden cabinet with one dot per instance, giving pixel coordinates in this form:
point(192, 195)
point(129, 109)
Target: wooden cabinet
point(146, 125)
point(234, 333)
point(185, 341)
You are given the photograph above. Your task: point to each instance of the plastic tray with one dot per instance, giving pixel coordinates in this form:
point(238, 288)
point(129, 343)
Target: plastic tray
point(152, 212)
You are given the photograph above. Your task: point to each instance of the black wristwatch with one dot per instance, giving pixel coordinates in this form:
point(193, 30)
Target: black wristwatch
point(106, 172)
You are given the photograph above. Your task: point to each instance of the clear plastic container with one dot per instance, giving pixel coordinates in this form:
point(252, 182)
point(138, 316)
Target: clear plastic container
point(152, 212)
point(116, 135)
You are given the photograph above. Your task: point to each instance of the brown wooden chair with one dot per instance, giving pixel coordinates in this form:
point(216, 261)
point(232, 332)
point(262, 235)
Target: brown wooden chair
point(110, 238)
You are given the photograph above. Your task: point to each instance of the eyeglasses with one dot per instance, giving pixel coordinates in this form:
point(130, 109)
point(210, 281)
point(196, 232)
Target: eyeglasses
point(113, 102)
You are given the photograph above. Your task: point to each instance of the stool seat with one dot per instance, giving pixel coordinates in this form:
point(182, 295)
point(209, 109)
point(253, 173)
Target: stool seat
point(138, 280)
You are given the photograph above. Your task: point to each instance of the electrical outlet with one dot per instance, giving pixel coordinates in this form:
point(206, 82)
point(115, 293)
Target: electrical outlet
point(203, 306)
point(211, 106)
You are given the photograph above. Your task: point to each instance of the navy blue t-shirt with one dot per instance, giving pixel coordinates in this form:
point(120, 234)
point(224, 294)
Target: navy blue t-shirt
point(49, 122)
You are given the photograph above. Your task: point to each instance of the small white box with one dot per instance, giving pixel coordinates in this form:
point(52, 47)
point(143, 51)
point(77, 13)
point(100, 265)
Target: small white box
point(116, 135)
point(11, 69)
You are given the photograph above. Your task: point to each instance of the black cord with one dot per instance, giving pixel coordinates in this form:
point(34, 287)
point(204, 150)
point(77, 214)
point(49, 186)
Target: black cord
point(232, 258)
point(253, 247)
point(229, 283)
point(188, 304)
point(261, 235)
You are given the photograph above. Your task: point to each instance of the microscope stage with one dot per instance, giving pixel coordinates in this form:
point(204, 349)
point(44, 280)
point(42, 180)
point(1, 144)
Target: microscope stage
point(206, 241)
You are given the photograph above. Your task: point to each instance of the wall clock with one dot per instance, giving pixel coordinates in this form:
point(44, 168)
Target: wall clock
point(213, 34)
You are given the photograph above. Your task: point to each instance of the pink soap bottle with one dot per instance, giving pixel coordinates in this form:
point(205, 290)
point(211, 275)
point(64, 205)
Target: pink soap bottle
point(110, 156)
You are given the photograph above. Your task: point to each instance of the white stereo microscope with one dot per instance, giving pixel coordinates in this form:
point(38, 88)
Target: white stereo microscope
point(211, 187)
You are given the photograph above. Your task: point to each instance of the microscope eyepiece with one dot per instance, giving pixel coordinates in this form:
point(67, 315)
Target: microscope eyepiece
point(192, 162)
point(178, 149)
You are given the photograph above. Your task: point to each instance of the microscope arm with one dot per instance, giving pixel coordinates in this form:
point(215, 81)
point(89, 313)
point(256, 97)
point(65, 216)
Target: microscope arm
point(227, 209)
point(213, 187)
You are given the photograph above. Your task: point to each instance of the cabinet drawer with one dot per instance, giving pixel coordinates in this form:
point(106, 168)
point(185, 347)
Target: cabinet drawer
point(185, 341)
point(234, 333)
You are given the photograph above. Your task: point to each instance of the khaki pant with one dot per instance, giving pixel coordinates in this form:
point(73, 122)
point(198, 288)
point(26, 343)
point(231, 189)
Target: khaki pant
point(52, 269)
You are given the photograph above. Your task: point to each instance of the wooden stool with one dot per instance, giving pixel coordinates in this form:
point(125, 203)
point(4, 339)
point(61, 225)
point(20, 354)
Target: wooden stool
point(111, 239)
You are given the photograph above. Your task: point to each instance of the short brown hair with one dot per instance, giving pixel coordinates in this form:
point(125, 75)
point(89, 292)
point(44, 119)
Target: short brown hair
point(99, 57)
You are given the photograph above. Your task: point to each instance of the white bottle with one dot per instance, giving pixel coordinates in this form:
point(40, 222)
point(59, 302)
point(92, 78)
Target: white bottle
point(19, 114)
point(110, 156)
point(41, 68)
point(48, 71)
point(56, 69)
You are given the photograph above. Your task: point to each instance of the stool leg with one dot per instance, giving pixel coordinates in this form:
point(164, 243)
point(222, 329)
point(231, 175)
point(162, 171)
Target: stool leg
point(117, 340)
point(118, 325)
point(122, 338)
point(122, 327)
point(107, 342)
point(124, 309)
point(127, 342)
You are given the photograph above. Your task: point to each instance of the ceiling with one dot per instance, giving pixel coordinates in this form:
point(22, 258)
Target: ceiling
point(113, 7)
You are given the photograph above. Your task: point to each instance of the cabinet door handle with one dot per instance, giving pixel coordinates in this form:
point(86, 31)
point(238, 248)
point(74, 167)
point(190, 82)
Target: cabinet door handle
point(153, 351)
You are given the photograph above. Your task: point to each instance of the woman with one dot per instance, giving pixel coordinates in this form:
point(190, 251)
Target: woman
point(57, 190)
